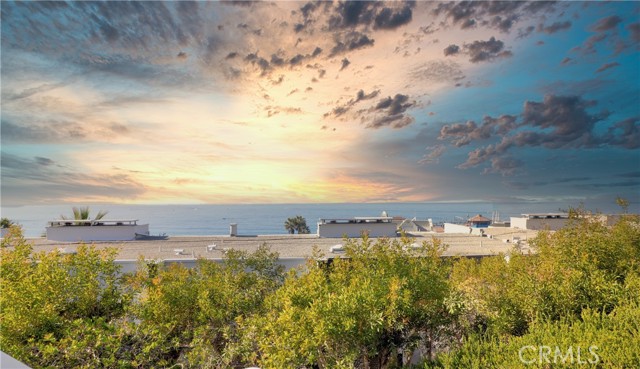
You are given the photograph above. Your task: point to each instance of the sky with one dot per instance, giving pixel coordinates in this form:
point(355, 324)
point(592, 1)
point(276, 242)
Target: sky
point(319, 102)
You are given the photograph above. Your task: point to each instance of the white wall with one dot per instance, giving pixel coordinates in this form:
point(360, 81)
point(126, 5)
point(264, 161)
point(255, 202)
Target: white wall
point(538, 224)
point(519, 222)
point(96, 233)
point(456, 228)
point(354, 230)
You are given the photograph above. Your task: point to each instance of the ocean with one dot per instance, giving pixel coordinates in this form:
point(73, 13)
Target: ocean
point(264, 219)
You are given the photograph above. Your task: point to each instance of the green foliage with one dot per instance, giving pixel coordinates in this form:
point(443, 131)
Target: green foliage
point(43, 294)
point(192, 316)
point(296, 224)
point(580, 289)
point(83, 213)
point(614, 338)
point(5, 223)
point(382, 297)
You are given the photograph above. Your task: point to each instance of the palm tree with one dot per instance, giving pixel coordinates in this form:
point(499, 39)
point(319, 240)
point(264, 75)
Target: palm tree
point(6, 223)
point(296, 224)
point(82, 213)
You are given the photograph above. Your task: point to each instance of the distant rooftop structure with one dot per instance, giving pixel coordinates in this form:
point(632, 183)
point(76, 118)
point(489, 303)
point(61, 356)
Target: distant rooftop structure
point(540, 221)
point(78, 230)
point(479, 221)
point(354, 227)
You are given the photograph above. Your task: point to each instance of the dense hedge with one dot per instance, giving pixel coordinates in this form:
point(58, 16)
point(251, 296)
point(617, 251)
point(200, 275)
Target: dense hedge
point(574, 303)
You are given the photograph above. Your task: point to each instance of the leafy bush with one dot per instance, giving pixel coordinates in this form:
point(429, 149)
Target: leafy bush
point(361, 310)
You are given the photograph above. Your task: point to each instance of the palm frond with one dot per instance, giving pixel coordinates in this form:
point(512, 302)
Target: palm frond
point(101, 214)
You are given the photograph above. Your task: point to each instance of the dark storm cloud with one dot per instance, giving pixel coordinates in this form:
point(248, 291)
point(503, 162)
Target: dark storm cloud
point(276, 60)
point(607, 66)
point(558, 122)
point(396, 105)
point(451, 50)
point(350, 14)
point(491, 49)
point(462, 134)
point(258, 61)
point(555, 27)
point(361, 95)
point(349, 41)
point(567, 117)
point(606, 23)
point(390, 112)
point(500, 15)
point(480, 51)
point(387, 18)
point(345, 63)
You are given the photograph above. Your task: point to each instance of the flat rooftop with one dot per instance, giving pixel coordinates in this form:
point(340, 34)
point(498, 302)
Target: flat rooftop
point(287, 246)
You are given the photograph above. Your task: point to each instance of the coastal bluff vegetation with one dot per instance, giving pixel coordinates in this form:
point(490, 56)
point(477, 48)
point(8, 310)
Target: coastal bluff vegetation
point(573, 302)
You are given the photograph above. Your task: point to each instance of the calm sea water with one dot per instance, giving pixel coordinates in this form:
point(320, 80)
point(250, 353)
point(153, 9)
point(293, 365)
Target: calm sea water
point(195, 220)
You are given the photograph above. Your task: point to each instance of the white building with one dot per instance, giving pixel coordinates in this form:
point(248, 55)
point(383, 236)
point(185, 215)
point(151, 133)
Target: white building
point(354, 227)
point(540, 221)
point(95, 230)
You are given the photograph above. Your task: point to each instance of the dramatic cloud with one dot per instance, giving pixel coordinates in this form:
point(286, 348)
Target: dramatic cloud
point(557, 122)
point(345, 63)
point(462, 134)
point(500, 15)
point(186, 101)
point(350, 41)
point(451, 50)
point(349, 14)
point(480, 51)
point(392, 110)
